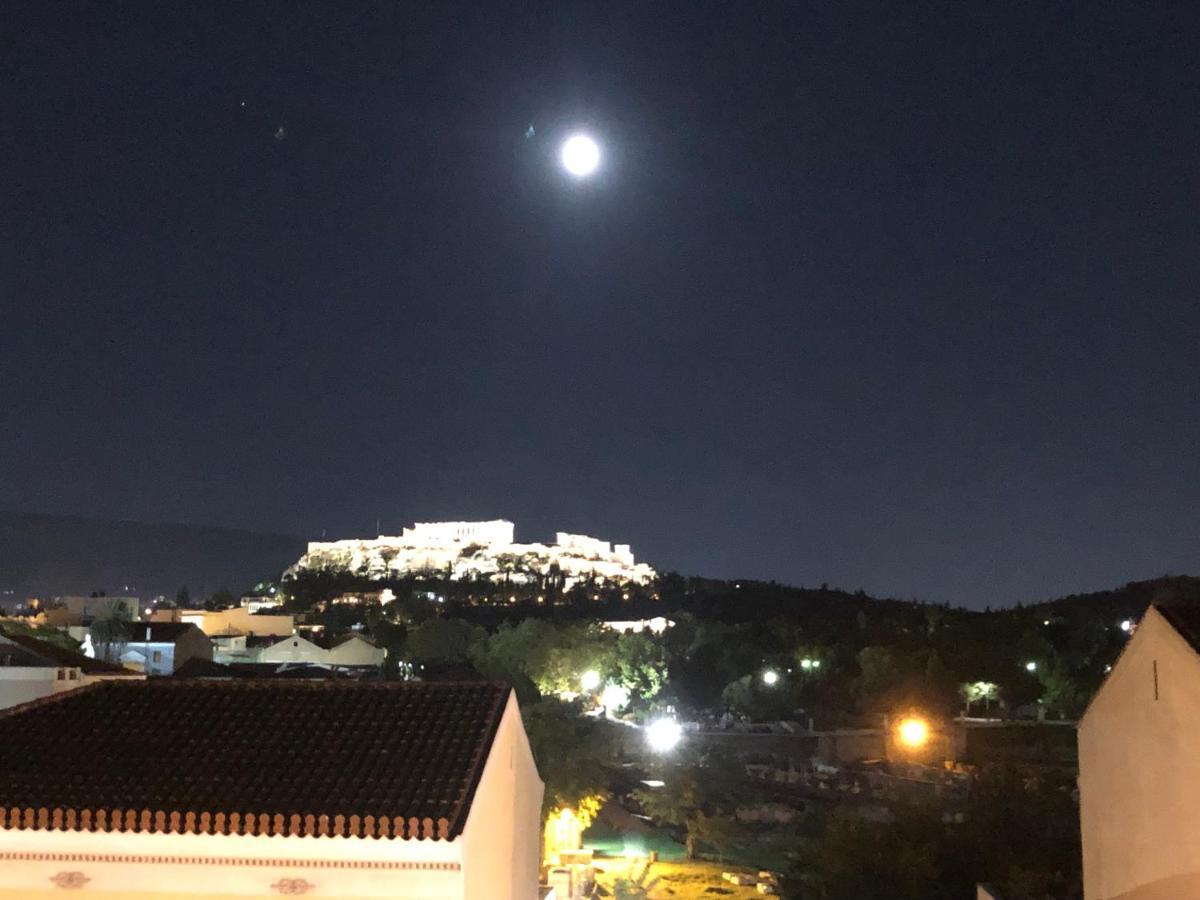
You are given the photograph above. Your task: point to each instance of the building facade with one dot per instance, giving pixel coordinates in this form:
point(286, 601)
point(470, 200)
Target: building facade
point(31, 669)
point(326, 789)
point(1139, 769)
point(158, 648)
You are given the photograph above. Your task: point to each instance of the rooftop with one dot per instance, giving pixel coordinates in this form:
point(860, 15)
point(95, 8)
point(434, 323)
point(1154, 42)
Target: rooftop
point(159, 632)
point(42, 653)
point(391, 759)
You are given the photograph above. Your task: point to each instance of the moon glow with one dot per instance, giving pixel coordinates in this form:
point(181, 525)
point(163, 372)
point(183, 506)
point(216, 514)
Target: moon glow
point(580, 155)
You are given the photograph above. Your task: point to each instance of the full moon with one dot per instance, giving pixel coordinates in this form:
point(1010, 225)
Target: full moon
point(580, 155)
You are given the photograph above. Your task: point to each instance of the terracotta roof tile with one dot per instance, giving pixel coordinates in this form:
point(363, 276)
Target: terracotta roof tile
point(278, 757)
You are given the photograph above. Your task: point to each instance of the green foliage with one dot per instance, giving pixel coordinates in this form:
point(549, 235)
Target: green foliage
point(222, 599)
point(442, 641)
point(699, 799)
point(42, 632)
point(111, 631)
point(1020, 834)
point(639, 663)
point(574, 754)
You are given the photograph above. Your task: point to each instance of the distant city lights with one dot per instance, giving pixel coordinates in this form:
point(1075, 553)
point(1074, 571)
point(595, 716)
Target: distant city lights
point(809, 664)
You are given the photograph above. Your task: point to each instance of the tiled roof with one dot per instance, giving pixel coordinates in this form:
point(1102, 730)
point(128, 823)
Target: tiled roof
point(160, 632)
point(54, 655)
point(203, 668)
point(392, 759)
point(338, 641)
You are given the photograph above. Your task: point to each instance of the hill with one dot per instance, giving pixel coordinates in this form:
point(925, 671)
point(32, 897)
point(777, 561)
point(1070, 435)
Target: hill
point(43, 554)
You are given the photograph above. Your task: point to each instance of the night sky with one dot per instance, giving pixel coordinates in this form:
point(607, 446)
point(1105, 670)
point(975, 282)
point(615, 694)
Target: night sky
point(893, 298)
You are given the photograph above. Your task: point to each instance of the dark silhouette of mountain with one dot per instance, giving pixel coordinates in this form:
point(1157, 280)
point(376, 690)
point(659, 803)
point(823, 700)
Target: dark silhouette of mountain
point(1129, 600)
point(43, 555)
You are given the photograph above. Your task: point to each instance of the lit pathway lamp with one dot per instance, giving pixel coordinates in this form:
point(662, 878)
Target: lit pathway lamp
point(663, 735)
point(912, 733)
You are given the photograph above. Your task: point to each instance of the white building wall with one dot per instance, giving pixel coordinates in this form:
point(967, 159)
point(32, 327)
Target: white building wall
point(356, 652)
point(151, 658)
point(238, 618)
point(151, 866)
point(1139, 772)
point(503, 830)
point(294, 649)
point(21, 684)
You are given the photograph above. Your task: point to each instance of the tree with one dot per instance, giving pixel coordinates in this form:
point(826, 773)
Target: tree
point(976, 691)
point(640, 664)
point(573, 753)
point(700, 800)
point(183, 598)
point(442, 640)
point(222, 599)
point(878, 675)
point(111, 631)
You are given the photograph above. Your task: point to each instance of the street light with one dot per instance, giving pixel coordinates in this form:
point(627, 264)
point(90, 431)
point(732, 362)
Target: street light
point(589, 680)
point(614, 697)
point(1031, 666)
point(770, 677)
point(913, 732)
point(663, 735)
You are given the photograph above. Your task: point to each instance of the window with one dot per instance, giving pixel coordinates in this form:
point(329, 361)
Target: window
point(73, 675)
point(156, 656)
point(62, 674)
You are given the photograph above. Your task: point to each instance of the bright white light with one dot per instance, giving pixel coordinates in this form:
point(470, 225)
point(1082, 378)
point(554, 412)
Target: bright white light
point(770, 677)
point(580, 155)
point(589, 680)
point(806, 663)
point(1031, 666)
point(1126, 625)
point(913, 732)
point(614, 697)
point(663, 735)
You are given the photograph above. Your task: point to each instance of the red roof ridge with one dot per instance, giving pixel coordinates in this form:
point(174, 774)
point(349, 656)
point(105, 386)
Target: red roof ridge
point(53, 698)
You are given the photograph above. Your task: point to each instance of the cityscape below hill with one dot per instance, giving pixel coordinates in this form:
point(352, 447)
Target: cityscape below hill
point(47, 555)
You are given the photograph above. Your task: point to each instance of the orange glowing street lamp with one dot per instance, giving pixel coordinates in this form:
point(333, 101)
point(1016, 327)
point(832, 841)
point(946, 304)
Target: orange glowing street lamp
point(913, 732)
